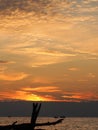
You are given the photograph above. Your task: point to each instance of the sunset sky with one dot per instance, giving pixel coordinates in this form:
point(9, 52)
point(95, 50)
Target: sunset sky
point(49, 50)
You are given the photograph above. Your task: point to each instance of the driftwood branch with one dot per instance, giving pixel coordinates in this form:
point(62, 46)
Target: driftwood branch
point(50, 123)
point(35, 112)
point(28, 126)
point(32, 124)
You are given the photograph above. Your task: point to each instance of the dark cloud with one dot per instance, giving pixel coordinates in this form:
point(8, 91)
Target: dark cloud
point(35, 6)
point(4, 62)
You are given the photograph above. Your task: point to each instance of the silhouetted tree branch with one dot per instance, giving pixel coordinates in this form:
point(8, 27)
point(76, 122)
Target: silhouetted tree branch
point(32, 124)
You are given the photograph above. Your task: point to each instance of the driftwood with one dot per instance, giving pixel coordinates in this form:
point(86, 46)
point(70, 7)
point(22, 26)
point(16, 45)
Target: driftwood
point(28, 126)
point(32, 124)
point(35, 112)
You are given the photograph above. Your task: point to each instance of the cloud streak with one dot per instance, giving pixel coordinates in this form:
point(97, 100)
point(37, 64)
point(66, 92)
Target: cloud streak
point(79, 96)
point(13, 77)
point(5, 62)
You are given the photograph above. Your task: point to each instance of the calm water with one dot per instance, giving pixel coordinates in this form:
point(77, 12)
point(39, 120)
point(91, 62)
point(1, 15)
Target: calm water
point(67, 124)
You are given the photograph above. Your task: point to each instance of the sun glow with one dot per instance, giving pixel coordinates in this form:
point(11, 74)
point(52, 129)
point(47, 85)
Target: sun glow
point(30, 97)
point(34, 97)
point(21, 95)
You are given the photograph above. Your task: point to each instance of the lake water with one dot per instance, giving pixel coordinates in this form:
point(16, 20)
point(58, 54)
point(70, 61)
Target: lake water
point(67, 124)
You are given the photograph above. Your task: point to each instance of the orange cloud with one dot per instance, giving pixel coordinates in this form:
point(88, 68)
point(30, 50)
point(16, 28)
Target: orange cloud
point(2, 68)
point(13, 77)
point(73, 69)
point(40, 79)
point(91, 75)
point(4, 62)
point(42, 89)
point(80, 96)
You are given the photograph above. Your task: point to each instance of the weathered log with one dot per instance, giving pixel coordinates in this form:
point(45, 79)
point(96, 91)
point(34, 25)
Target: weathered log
point(28, 126)
point(50, 123)
point(35, 112)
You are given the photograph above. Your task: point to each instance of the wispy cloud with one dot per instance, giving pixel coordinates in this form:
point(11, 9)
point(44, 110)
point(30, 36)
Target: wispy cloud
point(2, 68)
point(73, 69)
point(13, 76)
point(47, 60)
point(91, 75)
point(5, 62)
point(45, 89)
point(79, 96)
